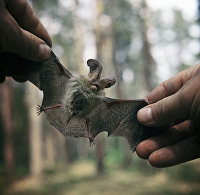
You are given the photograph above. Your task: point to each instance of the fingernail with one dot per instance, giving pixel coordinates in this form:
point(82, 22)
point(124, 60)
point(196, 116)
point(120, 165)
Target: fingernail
point(145, 115)
point(44, 52)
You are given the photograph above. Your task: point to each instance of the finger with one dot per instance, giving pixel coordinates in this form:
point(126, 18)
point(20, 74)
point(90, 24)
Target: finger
point(186, 150)
point(166, 112)
point(26, 18)
point(13, 65)
point(175, 108)
point(2, 76)
point(169, 137)
point(2, 79)
point(171, 85)
point(21, 42)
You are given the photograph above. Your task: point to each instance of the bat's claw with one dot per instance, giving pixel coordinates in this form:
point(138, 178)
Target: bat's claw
point(39, 109)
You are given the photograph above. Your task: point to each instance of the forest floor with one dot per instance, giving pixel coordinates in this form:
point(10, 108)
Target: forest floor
point(81, 179)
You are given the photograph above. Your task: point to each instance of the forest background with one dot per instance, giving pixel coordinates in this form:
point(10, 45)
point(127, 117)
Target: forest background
point(140, 43)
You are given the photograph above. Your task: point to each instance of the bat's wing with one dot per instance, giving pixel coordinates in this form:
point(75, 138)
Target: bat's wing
point(49, 76)
point(119, 118)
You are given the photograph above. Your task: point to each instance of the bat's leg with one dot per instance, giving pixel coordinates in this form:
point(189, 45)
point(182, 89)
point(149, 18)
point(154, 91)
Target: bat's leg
point(67, 121)
point(92, 141)
point(41, 108)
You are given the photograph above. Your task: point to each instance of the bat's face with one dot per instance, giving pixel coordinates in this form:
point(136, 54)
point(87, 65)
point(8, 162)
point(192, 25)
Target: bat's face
point(82, 96)
point(83, 93)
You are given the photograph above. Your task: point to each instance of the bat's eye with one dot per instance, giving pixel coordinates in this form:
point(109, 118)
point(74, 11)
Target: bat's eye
point(77, 103)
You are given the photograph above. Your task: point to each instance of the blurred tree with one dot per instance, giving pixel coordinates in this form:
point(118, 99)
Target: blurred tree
point(78, 38)
point(35, 131)
point(8, 125)
point(148, 61)
point(100, 150)
point(119, 32)
point(49, 146)
point(121, 13)
point(59, 20)
point(80, 146)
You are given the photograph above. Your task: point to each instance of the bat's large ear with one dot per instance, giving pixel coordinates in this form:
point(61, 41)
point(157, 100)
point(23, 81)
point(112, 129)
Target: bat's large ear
point(107, 83)
point(95, 69)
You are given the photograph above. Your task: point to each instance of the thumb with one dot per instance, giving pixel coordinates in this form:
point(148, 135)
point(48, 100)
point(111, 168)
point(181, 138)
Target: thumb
point(29, 46)
point(166, 112)
point(17, 40)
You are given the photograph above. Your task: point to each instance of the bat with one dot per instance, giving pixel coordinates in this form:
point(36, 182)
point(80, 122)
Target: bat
point(77, 106)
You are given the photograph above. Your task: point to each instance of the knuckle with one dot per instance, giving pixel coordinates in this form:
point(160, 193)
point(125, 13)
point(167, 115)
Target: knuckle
point(32, 48)
point(197, 65)
point(164, 88)
point(23, 9)
point(158, 111)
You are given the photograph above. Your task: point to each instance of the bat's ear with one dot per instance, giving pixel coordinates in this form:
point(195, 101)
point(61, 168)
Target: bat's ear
point(95, 69)
point(107, 83)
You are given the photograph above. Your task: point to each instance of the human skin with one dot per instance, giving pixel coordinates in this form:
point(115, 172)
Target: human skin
point(175, 104)
point(21, 32)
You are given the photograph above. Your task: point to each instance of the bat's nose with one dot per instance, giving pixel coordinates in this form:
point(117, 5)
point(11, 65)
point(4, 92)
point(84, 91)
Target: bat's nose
point(93, 87)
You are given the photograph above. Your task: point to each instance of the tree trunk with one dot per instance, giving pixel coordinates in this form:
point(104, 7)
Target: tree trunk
point(100, 152)
point(148, 60)
point(50, 147)
point(79, 39)
point(35, 131)
point(99, 41)
point(8, 125)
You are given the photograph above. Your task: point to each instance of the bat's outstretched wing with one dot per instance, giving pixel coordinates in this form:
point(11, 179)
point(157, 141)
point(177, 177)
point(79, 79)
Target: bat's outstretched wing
point(49, 76)
point(119, 118)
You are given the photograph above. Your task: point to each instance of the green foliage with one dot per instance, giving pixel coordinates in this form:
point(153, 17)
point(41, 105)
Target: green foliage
point(114, 153)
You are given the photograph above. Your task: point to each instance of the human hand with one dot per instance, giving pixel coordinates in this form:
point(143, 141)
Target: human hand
point(175, 103)
point(21, 32)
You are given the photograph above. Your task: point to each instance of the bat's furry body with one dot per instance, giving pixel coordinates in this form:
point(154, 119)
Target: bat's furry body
point(76, 106)
point(81, 98)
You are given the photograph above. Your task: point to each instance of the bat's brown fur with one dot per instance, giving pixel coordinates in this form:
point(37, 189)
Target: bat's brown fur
point(81, 98)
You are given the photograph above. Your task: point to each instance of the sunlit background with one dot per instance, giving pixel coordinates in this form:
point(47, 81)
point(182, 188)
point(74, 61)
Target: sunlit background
point(140, 43)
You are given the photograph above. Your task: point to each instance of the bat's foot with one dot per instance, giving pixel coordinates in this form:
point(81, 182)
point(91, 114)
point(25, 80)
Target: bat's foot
point(39, 109)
